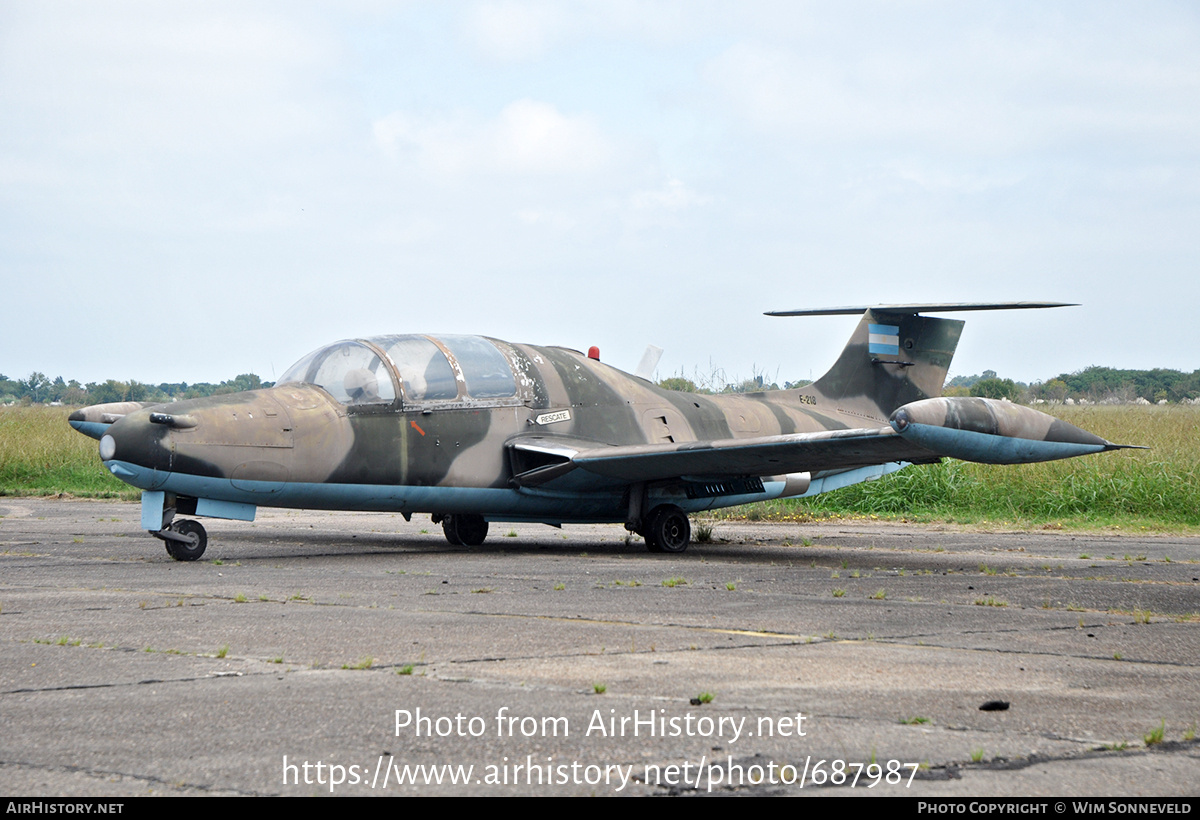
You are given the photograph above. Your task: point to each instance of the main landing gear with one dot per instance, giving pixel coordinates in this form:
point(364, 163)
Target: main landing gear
point(185, 539)
point(666, 529)
point(464, 530)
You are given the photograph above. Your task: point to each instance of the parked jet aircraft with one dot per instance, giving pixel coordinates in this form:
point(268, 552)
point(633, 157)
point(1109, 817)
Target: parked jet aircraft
point(473, 430)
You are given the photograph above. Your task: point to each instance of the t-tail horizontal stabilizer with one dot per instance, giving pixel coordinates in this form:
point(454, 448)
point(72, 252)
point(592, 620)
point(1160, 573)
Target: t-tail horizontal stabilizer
point(945, 307)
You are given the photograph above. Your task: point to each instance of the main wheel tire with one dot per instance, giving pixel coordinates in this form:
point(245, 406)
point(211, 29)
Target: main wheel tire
point(191, 549)
point(465, 530)
point(450, 530)
point(472, 529)
point(648, 534)
point(668, 529)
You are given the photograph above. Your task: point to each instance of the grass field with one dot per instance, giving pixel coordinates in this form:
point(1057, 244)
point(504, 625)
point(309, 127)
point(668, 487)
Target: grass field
point(41, 455)
point(1156, 489)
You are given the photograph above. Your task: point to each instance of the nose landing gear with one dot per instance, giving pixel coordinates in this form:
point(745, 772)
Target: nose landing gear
point(185, 539)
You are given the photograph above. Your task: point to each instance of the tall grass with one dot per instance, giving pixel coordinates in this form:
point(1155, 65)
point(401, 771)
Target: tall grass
point(41, 455)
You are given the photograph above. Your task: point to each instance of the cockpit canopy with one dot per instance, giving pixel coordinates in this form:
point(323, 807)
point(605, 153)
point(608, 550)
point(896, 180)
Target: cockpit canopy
point(424, 368)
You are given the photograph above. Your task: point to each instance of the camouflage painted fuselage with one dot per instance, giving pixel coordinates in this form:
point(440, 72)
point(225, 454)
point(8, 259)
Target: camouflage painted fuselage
point(294, 445)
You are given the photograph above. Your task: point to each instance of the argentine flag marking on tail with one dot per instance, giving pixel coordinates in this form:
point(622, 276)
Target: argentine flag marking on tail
point(883, 339)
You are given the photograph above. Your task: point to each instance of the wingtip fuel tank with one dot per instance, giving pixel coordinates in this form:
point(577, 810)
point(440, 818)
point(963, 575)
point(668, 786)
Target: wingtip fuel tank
point(992, 432)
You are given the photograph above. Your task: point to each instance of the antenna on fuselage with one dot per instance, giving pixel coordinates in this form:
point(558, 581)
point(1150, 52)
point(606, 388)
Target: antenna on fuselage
point(645, 368)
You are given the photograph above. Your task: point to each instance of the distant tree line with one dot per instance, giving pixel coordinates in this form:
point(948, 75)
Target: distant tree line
point(716, 381)
point(1093, 384)
point(38, 389)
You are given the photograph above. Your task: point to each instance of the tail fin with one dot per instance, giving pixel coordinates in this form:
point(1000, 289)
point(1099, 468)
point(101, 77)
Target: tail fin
point(895, 355)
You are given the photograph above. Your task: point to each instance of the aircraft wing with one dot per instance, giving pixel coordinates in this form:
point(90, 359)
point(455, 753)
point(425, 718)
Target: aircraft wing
point(766, 455)
point(972, 429)
point(769, 455)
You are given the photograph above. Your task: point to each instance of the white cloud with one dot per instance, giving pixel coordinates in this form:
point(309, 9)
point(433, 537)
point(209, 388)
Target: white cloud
point(805, 95)
point(533, 137)
point(173, 78)
point(513, 31)
point(553, 219)
point(672, 196)
point(975, 86)
point(527, 137)
point(945, 178)
point(402, 230)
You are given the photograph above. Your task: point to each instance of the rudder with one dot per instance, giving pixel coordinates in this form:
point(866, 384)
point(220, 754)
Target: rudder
point(891, 359)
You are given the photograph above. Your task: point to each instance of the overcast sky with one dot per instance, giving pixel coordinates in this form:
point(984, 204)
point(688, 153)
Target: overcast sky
point(189, 191)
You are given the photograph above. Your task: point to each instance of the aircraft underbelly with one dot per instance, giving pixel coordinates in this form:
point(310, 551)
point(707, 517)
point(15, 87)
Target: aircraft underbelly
point(497, 503)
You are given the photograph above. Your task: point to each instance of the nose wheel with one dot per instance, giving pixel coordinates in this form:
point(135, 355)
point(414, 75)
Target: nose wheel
point(185, 539)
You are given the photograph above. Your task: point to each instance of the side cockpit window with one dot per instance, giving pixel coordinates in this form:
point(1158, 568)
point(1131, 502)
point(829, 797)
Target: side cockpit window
point(485, 369)
point(350, 372)
point(423, 368)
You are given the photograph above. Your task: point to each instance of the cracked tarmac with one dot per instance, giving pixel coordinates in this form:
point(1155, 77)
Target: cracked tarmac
point(124, 673)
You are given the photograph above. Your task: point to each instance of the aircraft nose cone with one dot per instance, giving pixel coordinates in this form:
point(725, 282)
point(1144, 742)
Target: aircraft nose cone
point(135, 451)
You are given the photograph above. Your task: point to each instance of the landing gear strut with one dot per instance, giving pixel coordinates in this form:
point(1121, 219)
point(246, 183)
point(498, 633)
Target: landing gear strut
point(667, 529)
point(185, 539)
point(465, 530)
